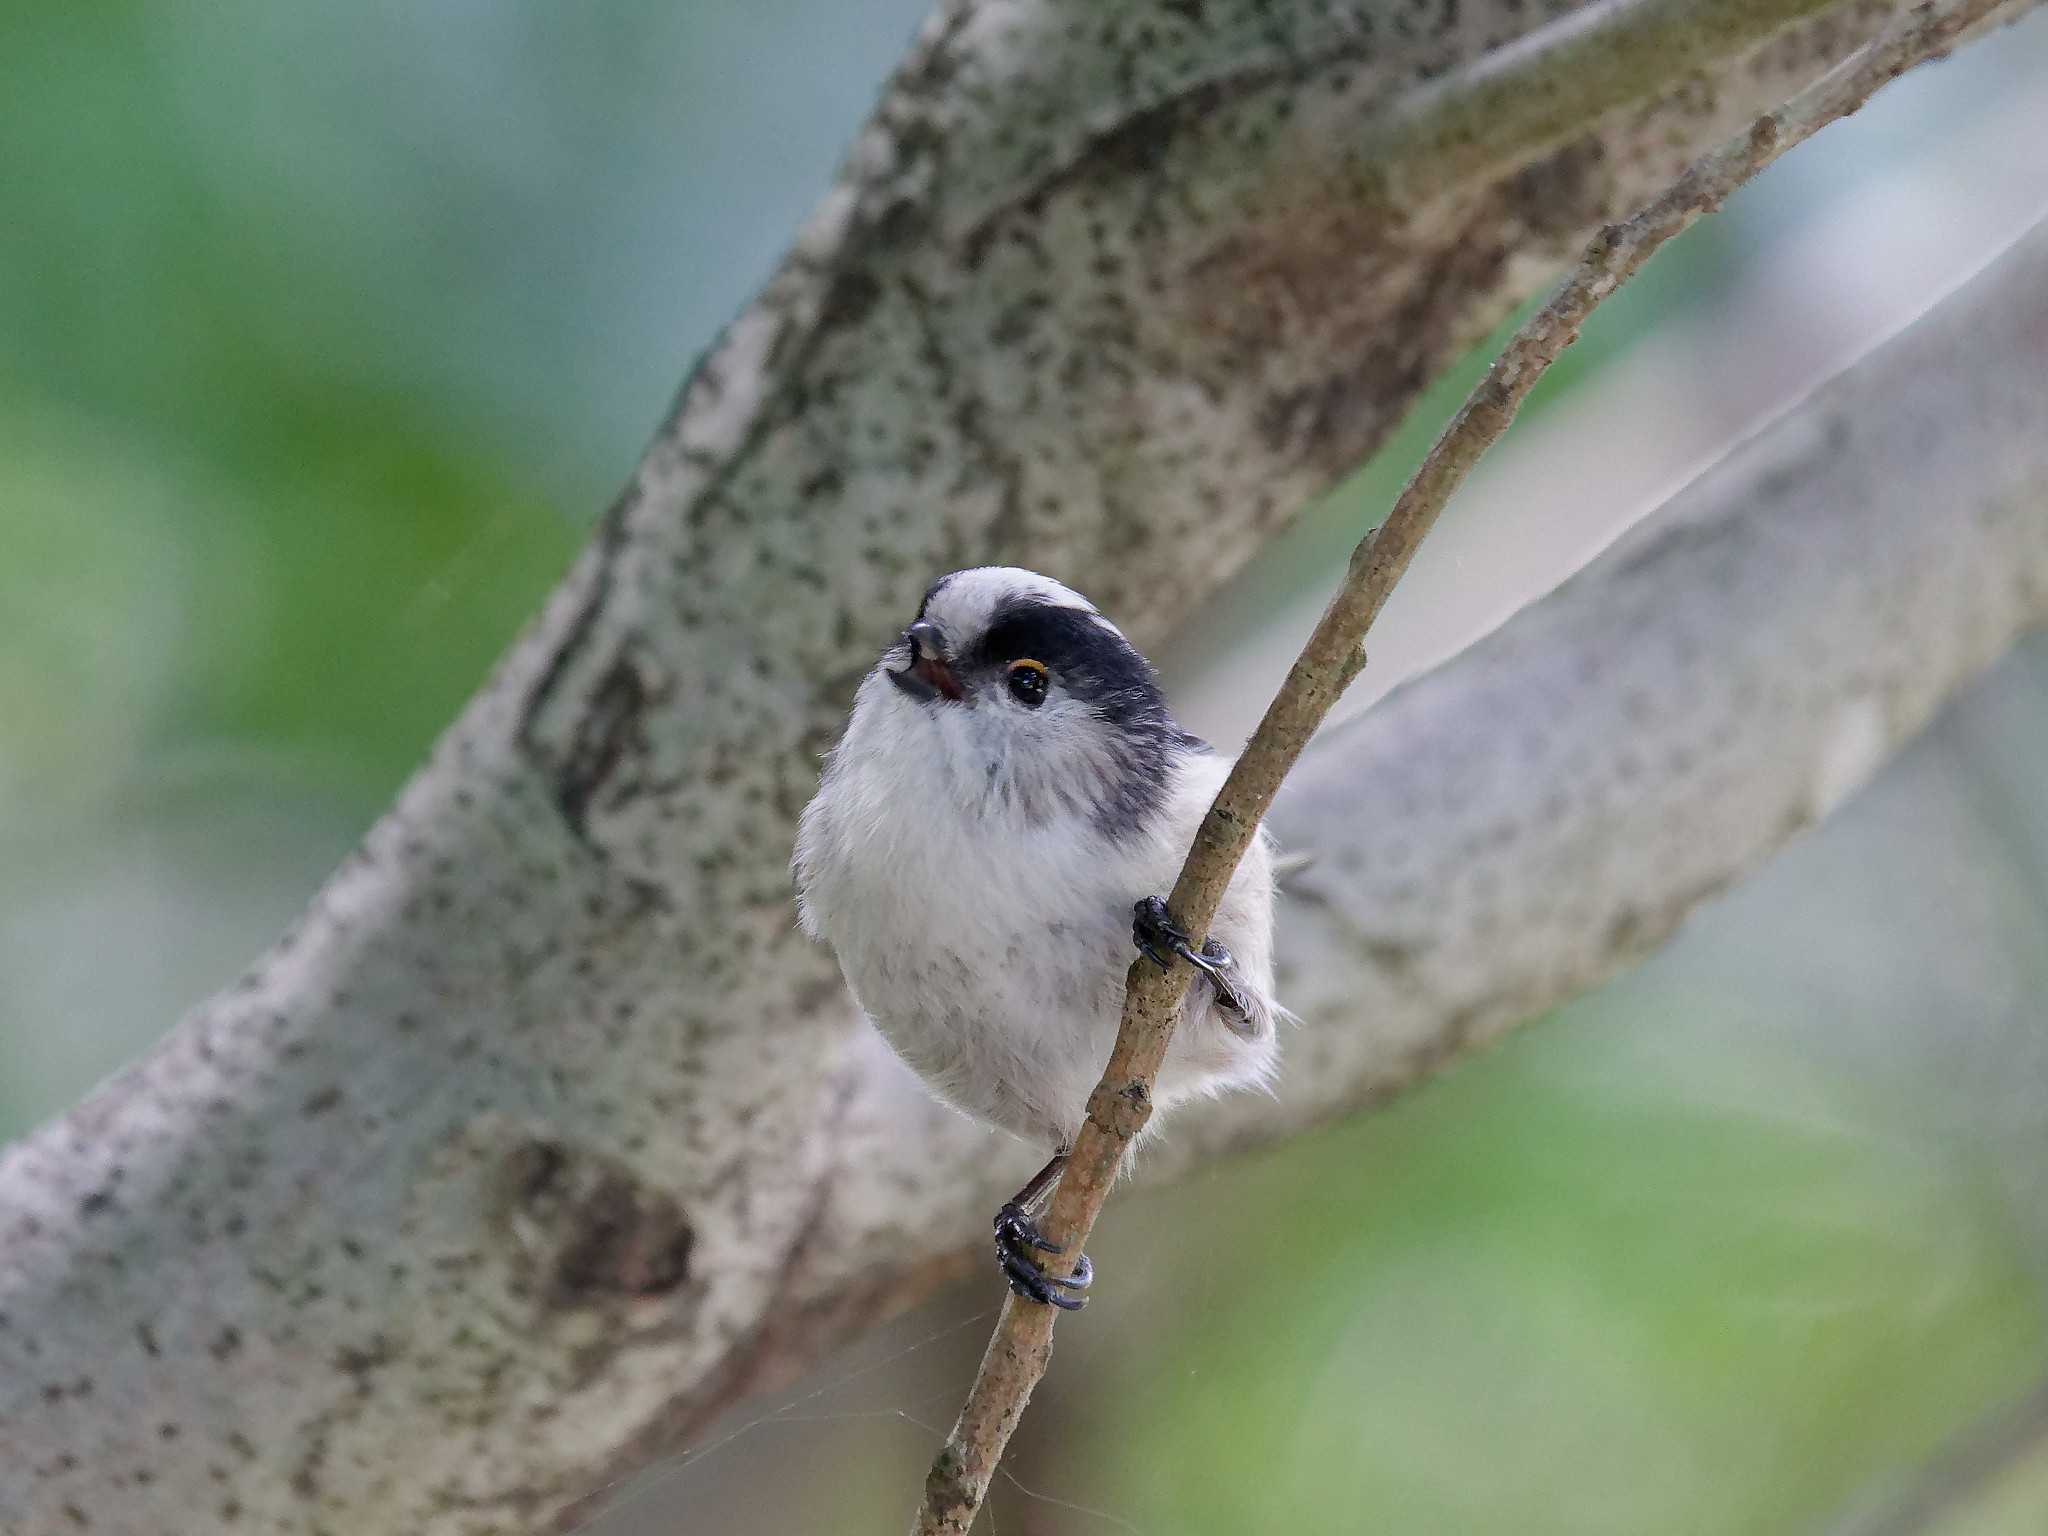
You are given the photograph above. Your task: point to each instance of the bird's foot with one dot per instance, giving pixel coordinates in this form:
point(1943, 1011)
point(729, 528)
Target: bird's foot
point(1018, 1244)
point(1158, 935)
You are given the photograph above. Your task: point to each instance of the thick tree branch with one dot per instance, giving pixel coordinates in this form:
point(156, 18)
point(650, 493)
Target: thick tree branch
point(542, 1136)
point(1021, 1347)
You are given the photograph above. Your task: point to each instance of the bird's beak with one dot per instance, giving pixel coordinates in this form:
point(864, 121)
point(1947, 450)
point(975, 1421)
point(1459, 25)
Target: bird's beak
point(927, 676)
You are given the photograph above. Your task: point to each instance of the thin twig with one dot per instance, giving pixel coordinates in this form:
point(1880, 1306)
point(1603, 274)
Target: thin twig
point(1118, 1109)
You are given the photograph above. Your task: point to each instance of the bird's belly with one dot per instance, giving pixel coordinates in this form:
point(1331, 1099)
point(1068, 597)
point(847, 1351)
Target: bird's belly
point(1015, 1037)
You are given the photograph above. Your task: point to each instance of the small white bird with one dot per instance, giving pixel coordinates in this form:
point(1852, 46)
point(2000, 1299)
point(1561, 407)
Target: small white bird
point(988, 839)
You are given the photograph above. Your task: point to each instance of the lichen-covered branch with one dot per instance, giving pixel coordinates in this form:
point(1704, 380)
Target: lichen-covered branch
point(543, 1136)
point(1021, 1346)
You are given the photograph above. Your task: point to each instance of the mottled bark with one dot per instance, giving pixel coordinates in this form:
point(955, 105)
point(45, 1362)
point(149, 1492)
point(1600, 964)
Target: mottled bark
point(543, 1135)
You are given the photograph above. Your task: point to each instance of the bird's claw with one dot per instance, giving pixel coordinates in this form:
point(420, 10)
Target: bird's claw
point(1015, 1229)
point(1157, 935)
point(1018, 1244)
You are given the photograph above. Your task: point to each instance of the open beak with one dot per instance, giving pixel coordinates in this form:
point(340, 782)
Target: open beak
point(927, 676)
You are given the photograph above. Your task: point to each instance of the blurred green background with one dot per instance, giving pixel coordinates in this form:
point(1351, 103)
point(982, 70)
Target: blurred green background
point(324, 333)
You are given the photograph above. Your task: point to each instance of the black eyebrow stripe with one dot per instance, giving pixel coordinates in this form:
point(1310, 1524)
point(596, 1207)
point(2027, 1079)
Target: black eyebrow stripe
point(1048, 631)
point(1086, 655)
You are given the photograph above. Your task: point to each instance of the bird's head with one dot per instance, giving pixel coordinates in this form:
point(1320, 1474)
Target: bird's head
point(1014, 691)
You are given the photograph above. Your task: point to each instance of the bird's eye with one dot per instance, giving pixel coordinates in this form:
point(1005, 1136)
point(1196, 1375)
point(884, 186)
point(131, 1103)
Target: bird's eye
point(1027, 682)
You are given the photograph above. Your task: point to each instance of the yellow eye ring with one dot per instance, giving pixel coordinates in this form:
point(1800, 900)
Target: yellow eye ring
point(1028, 679)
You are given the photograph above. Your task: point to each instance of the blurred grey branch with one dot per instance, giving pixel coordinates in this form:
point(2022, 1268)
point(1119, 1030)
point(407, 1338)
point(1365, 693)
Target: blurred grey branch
point(543, 1137)
point(1722, 677)
point(1965, 1473)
